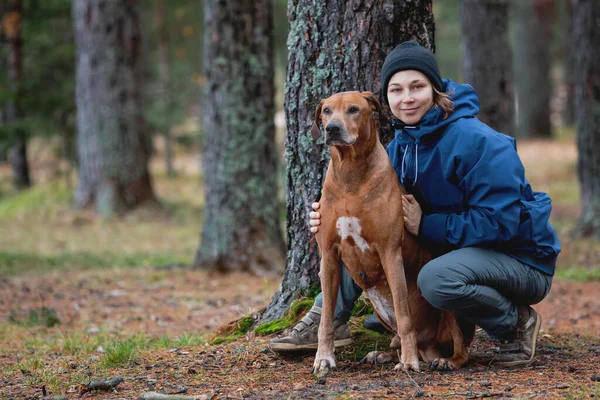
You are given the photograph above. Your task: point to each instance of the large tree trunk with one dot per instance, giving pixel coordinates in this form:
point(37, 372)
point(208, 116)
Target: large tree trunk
point(241, 229)
point(586, 42)
point(487, 60)
point(532, 67)
point(333, 46)
point(113, 145)
point(12, 14)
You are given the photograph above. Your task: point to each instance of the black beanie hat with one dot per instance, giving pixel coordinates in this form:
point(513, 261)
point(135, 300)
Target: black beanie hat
point(410, 55)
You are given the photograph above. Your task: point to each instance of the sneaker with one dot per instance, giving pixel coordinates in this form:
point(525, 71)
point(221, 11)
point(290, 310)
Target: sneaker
point(304, 335)
point(520, 349)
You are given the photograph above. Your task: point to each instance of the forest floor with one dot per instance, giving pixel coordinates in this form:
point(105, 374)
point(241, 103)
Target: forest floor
point(85, 300)
point(129, 301)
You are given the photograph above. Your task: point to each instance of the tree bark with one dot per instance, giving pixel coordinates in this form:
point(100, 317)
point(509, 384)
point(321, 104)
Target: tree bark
point(586, 36)
point(487, 60)
point(241, 229)
point(113, 146)
point(11, 33)
point(333, 46)
point(532, 67)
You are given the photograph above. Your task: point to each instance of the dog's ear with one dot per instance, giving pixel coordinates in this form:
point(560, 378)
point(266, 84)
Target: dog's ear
point(379, 115)
point(315, 130)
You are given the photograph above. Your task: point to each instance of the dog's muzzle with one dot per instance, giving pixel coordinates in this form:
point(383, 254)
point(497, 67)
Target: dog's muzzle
point(336, 134)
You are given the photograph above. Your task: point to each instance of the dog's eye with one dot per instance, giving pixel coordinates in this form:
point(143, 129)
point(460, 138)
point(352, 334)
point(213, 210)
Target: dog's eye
point(326, 111)
point(353, 110)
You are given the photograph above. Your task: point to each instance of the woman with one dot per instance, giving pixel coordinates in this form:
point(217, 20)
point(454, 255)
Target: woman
point(469, 202)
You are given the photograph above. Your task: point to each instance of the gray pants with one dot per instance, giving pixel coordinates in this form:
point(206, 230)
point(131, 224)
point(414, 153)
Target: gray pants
point(480, 285)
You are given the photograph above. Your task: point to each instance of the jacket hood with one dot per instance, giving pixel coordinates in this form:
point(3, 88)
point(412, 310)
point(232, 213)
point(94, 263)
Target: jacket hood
point(466, 104)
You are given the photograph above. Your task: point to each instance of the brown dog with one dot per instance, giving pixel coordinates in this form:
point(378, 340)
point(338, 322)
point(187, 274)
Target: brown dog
point(362, 225)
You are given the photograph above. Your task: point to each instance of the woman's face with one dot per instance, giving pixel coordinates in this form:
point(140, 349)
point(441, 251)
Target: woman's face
point(410, 96)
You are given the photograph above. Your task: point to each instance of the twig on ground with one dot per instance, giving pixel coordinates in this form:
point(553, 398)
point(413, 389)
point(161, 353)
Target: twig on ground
point(178, 388)
point(106, 385)
point(161, 396)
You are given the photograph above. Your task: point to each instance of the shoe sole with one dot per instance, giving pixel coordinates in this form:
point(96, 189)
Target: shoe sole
point(311, 346)
point(538, 325)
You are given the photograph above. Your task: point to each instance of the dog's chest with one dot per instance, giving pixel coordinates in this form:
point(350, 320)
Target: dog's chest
point(349, 230)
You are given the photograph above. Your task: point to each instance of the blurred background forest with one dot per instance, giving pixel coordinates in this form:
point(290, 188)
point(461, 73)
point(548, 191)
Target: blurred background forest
point(46, 213)
point(139, 138)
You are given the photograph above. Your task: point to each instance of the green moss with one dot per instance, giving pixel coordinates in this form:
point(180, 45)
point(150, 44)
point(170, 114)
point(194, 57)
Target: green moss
point(362, 307)
point(313, 292)
point(240, 328)
point(292, 316)
point(365, 341)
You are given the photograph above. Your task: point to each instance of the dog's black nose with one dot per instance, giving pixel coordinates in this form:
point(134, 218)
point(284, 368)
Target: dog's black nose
point(333, 128)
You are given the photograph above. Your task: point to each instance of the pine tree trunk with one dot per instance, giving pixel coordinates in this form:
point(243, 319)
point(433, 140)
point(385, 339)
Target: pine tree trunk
point(487, 60)
point(113, 146)
point(532, 67)
point(586, 37)
point(11, 33)
point(333, 46)
point(241, 229)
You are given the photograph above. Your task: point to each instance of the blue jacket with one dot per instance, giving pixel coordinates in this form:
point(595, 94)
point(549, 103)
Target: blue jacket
point(471, 185)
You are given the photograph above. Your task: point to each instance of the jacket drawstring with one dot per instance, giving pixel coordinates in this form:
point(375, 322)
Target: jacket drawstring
point(404, 167)
point(416, 162)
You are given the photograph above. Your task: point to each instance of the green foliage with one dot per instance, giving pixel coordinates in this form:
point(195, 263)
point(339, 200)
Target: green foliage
point(578, 274)
point(182, 36)
point(313, 292)
point(363, 342)
point(40, 198)
point(45, 94)
point(120, 353)
point(41, 316)
point(242, 326)
point(12, 263)
point(292, 316)
point(362, 307)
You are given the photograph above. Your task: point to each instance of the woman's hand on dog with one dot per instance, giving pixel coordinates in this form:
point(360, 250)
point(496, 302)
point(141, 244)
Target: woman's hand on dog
point(411, 208)
point(315, 218)
point(412, 214)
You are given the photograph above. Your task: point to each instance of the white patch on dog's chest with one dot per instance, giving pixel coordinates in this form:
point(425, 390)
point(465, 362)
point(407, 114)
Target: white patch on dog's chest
point(350, 227)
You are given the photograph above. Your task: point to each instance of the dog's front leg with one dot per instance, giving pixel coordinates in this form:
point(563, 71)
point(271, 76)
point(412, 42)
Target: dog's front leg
point(330, 276)
point(394, 270)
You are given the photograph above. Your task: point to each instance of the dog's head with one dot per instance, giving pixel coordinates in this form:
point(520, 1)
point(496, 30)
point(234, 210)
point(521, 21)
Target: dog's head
point(346, 116)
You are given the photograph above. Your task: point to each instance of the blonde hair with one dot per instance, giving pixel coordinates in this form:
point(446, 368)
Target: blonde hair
point(441, 100)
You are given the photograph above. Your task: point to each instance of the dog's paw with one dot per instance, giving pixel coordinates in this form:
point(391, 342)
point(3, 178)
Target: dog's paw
point(323, 365)
point(442, 364)
point(408, 365)
point(379, 357)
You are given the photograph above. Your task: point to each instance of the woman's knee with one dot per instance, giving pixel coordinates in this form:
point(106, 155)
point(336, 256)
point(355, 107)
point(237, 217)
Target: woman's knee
point(429, 282)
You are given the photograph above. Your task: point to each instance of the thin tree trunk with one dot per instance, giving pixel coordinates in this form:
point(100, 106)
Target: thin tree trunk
point(164, 73)
point(586, 37)
point(241, 229)
point(113, 145)
point(532, 67)
point(487, 60)
point(568, 73)
point(333, 46)
point(11, 33)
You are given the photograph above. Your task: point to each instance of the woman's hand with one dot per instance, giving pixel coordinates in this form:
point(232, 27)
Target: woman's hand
point(412, 213)
point(315, 218)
